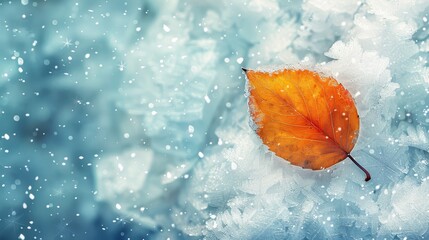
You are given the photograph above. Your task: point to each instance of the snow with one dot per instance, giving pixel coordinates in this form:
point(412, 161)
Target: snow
point(129, 120)
point(6, 136)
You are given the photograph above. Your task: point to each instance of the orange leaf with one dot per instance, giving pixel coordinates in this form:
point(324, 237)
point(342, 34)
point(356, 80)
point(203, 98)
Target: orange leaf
point(307, 119)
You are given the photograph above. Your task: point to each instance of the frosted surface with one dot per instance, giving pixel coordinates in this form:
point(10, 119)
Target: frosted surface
point(129, 120)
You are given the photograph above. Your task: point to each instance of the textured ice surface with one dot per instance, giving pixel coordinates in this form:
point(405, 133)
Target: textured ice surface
point(128, 120)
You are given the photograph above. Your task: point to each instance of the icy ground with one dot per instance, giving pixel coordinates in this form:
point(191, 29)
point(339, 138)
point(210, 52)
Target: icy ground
point(128, 120)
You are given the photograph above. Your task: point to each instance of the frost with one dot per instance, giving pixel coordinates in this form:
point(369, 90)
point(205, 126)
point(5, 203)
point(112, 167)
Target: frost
point(408, 209)
point(121, 182)
point(414, 136)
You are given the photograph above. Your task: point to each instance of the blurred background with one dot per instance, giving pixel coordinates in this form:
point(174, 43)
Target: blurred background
point(128, 119)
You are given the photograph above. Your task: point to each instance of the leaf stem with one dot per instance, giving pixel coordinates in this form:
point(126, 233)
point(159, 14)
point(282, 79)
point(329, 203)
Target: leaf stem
point(368, 176)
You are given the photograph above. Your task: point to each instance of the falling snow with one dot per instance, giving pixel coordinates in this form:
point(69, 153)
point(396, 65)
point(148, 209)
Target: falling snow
point(129, 120)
